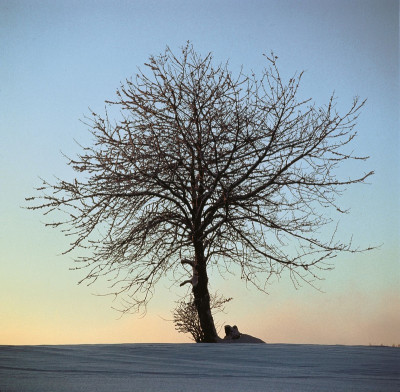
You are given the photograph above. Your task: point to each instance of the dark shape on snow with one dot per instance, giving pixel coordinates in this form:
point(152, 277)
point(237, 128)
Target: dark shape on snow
point(232, 335)
point(231, 332)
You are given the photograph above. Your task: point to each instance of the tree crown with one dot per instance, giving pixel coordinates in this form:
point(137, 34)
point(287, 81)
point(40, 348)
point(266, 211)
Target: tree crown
point(237, 164)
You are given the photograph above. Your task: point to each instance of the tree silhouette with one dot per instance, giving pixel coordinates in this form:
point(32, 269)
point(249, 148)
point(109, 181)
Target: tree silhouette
point(205, 169)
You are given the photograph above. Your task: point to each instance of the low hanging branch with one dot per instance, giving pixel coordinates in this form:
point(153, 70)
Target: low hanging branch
point(206, 166)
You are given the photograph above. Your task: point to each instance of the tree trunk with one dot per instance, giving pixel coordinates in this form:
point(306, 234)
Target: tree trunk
point(202, 298)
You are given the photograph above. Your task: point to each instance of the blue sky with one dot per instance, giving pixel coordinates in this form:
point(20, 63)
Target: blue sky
point(60, 57)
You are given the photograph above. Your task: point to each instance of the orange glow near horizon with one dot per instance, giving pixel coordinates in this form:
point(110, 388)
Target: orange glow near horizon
point(322, 320)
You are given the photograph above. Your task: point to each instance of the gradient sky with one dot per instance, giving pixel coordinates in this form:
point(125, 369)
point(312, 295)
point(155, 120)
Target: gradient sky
point(57, 58)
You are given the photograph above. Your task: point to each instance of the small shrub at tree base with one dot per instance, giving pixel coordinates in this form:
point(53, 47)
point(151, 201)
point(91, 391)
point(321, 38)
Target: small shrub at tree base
point(186, 318)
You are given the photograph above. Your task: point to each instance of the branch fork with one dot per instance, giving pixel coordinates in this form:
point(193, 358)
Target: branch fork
point(195, 275)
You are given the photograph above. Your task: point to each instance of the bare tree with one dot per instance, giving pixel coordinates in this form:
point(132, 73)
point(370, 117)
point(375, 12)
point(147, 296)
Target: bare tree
point(186, 318)
point(205, 169)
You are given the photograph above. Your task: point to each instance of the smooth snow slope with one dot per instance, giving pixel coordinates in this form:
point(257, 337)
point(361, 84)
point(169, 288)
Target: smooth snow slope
point(198, 367)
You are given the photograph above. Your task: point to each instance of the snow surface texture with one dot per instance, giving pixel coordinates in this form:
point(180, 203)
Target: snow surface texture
point(199, 367)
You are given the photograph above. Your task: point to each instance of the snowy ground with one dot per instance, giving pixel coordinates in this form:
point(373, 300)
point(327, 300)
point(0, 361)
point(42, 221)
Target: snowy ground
point(199, 367)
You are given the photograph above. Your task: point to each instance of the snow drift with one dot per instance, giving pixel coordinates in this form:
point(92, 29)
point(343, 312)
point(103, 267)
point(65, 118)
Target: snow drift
point(198, 367)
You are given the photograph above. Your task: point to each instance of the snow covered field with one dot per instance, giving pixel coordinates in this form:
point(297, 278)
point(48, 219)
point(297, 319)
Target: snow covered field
point(199, 367)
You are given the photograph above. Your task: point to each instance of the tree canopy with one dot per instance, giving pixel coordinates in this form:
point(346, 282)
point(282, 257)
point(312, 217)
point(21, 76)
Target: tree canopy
point(207, 168)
